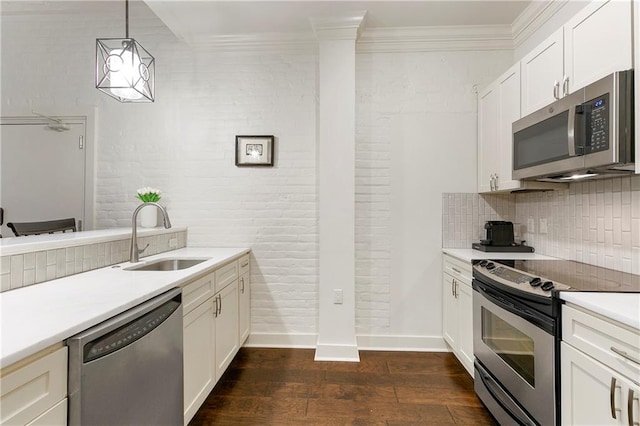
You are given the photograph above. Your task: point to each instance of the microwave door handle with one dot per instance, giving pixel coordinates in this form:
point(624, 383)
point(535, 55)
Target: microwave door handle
point(571, 131)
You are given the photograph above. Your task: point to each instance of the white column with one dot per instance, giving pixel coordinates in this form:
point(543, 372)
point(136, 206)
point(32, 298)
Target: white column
point(336, 129)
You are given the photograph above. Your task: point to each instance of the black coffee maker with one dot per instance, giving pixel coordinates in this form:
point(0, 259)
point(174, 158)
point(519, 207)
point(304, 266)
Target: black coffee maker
point(500, 238)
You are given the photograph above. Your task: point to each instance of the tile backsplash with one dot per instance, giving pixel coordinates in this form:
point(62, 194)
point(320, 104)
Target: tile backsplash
point(26, 269)
point(464, 215)
point(595, 222)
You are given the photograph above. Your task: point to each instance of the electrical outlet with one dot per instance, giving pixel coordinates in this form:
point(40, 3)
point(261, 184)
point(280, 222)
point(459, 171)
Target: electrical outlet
point(543, 225)
point(337, 296)
point(173, 243)
point(531, 225)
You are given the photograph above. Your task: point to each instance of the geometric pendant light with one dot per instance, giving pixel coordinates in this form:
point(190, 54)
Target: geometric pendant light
point(124, 69)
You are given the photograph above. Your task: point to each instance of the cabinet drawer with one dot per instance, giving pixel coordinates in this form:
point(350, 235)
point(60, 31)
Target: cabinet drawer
point(243, 264)
point(29, 391)
point(56, 416)
point(457, 269)
point(226, 275)
point(603, 340)
point(196, 292)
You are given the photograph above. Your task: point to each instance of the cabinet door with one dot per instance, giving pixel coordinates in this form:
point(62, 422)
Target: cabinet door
point(541, 69)
point(226, 324)
point(487, 137)
point(586, 390)
point(508, 112)
point(199, 357)
point(449, 312)
point(598, 41)
point(245, 307)
point(465, 325)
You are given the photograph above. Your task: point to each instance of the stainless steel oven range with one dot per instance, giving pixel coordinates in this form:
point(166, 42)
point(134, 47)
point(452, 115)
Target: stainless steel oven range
point(516, 332)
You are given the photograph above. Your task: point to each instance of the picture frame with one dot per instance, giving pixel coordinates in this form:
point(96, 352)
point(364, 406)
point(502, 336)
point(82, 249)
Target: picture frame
point(255, 150)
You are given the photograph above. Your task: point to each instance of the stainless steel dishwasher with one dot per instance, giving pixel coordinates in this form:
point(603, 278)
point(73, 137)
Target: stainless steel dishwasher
point(127, 370)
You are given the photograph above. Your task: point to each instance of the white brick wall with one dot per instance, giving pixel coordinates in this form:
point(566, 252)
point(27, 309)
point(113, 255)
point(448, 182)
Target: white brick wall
point(184, 142)
point(415, 140)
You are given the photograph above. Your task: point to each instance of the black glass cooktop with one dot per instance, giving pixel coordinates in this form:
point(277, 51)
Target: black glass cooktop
point(579, 276)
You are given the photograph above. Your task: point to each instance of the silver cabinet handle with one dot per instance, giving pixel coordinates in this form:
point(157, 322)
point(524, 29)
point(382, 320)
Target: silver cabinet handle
point(565, 86)
point(220, 305)
point(455, 270)
point(244, 264)
point(556, 90)
point(491, 182)
point(612, 397)
point(495, 182)
point(457, 289)
point(215, 313)
point(452, 284)
point(625, 355)
point(242, 287)
point(630, 408)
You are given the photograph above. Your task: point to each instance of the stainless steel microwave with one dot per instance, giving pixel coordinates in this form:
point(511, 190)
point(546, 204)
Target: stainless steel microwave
point(588, 133)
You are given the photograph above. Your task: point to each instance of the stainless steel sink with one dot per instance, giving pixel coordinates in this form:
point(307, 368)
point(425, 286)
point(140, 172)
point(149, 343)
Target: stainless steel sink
point(172, 264)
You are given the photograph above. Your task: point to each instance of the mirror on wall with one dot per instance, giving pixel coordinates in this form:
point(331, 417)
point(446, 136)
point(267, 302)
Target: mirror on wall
point(46, 170)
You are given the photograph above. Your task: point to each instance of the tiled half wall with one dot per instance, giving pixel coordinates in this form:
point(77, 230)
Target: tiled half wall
point(21, 270)
point(595, 222)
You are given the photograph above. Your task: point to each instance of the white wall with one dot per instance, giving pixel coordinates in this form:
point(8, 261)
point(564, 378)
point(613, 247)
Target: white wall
point(415, 139)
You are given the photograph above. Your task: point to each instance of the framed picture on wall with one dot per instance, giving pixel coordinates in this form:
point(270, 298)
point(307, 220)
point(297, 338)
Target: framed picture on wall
point(254, 150)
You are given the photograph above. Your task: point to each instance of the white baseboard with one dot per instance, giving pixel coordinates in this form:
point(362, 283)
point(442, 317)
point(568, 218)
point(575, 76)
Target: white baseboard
point(282, 340)
point(344, 353)
point(365, 342)
point(402, 343)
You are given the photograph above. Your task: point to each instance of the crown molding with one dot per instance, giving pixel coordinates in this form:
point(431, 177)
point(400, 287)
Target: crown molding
point(252, 43)
point(338, 27)
point(425, 39)
point(536, 14)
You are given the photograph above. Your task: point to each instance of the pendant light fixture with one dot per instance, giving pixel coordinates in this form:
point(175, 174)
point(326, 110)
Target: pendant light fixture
point(124, 69)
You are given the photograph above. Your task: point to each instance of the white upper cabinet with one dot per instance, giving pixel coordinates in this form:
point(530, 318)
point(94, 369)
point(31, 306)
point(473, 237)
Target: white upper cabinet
point(598, 41)
point(508, 112)
point(594, 43)
point(487, 137)
point(542, 74)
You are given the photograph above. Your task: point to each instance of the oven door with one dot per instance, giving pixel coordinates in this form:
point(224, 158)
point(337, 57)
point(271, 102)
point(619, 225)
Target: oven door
point(509, 342)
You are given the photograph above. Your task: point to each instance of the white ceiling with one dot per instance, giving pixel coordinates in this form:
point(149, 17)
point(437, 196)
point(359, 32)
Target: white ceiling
point(195, 21)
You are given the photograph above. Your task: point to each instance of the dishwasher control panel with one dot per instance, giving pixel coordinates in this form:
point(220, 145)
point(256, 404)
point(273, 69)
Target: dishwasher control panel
point(128, 333)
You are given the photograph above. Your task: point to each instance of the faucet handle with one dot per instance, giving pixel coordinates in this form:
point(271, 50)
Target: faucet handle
point(141, 250)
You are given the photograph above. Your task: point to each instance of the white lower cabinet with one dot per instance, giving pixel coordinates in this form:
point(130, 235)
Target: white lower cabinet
point(35, 392)
point(594, 394)
point(600, 370)
point(199, 357)
point(226, 324)
point(244, 307)
point(457, 310)
point(214, 310)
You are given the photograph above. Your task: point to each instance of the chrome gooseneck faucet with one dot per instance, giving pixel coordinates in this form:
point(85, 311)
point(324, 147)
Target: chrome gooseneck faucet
point(135, 250)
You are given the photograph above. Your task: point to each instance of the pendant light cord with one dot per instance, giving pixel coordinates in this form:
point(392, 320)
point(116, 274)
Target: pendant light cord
point(126, 18)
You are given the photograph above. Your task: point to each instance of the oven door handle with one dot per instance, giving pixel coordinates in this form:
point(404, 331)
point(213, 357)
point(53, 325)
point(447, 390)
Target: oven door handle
point(505, 403)
point(532, 317)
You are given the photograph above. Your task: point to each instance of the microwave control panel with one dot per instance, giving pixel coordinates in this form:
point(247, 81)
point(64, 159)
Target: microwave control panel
point(597, 112)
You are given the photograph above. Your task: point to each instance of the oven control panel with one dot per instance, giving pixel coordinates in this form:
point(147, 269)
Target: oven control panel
point(518, 279)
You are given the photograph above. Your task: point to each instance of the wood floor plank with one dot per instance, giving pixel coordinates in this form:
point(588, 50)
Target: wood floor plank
point(287, 387)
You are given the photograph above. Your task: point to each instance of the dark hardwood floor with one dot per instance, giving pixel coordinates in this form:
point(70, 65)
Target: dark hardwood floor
point(286, 387)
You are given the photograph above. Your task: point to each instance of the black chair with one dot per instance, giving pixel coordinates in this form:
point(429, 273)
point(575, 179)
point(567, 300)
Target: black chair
point(46, 227)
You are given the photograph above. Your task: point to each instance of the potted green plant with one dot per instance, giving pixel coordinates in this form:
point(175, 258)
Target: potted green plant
point(148, 216)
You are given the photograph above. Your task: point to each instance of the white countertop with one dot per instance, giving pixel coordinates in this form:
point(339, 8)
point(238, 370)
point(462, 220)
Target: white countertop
point(29, 243)
point(621, 307)
point(36, 317)
point(467, 255)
